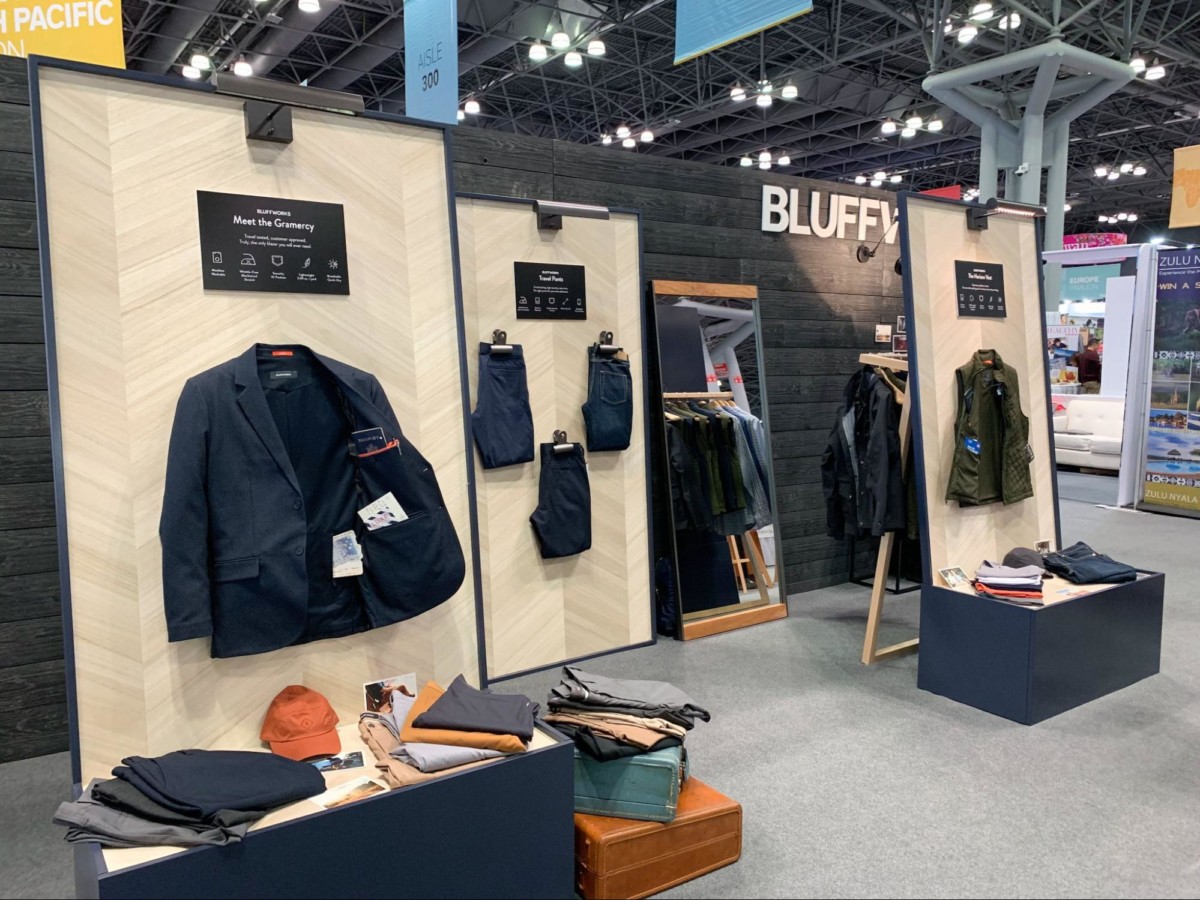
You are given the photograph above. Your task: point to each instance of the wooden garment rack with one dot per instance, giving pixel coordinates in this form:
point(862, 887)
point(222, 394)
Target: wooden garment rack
point(887, 543)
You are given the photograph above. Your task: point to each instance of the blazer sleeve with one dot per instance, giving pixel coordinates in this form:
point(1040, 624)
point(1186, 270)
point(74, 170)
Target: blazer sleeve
point(183, 527)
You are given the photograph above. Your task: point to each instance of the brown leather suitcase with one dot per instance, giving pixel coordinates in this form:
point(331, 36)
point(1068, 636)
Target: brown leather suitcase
point(624, 858)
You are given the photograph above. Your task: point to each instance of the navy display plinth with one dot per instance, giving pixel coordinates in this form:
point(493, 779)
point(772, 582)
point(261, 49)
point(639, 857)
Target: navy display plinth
point(505, 829)
point(1030, 663)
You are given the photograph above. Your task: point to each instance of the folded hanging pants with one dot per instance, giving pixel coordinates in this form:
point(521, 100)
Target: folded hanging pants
point(502, 422)
point(562, 522)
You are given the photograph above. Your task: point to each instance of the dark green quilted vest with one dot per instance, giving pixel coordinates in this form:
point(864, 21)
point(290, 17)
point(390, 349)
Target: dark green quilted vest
point(991, 435)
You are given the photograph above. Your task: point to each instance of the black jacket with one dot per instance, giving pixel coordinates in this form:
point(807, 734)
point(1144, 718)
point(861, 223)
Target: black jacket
point(860, 470)
point(259, 479)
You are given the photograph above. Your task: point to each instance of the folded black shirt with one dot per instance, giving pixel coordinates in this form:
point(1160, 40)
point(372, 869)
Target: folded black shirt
point(606, 749)
point(1081, 564)
point(203, 783)
point(124, 797)
point(463, 708)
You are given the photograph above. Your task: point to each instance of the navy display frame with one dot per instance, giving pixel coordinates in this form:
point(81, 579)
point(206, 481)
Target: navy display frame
point(1026, 664)
point(521, 841)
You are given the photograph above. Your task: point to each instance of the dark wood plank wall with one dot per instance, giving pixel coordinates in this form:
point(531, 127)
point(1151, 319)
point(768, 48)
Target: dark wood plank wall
point(702, 223)
point(33, 712)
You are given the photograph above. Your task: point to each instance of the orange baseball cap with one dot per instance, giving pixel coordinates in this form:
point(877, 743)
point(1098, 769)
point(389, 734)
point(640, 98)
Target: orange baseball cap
point(301, 724)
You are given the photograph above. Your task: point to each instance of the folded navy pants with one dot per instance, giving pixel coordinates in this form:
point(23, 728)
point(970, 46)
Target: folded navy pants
point(562, 521)
point(502, 422)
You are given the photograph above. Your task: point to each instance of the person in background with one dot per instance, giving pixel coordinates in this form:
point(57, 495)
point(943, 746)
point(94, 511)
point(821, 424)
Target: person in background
point(1089, 367)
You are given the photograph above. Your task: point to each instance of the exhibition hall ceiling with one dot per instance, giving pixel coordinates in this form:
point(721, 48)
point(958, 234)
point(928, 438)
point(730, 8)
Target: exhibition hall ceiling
point(836, 76)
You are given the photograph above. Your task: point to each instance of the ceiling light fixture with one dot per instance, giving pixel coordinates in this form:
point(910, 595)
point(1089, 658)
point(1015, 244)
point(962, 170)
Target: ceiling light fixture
point(908, 132)
point(538, 51)
point(967, 34)
point(895, 179)
point(191, 72)
point(309, 6)
point(789, 92)
point(242, 68)
point(765, 165)
point(1103, 219)
point(1133, 217)
point(201, 61)
point(763, 100)
point(573, 60)
point(560, 40)
point(935, 125)
point(888, 127)
point(737, 93)
point(647, 136)
point(1121, 217)
point(1157, 239)
point(1126, 168)
point(860, 179)
point(1012, 20)
point(1139, 171)
point(875, 182)
point(879, 176)
point(628, 142)
point(1114, 175)
point(765, 87)
point(784, 160)
point(765, 156)
point(596, 47)
point(606, 139)
point(1138, 64)
point(471, 107)
point(981, 11)
point(914, 121)
point(460, 115)
point(1101, 171)
point(622, 131)
point(1155, 72)
point(745, 162)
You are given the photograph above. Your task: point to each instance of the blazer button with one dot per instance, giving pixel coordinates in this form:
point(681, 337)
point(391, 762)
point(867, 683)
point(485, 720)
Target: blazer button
point(297, 504)
point(299, 551)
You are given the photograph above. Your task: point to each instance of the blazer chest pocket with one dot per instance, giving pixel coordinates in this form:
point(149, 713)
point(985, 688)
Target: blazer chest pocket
point(235, 569)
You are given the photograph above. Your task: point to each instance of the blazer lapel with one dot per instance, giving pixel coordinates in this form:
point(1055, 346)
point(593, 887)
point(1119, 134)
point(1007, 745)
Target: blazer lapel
point(253, 402)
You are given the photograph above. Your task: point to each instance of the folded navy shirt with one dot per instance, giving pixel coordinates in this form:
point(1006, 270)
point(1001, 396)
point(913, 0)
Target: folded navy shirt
point(202, 783)
point(464, 708)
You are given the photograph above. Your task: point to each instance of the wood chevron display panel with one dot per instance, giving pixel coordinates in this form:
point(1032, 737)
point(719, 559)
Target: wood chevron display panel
point(123, 163)
point(965, 536)
point(538, 612)
point(702, 222)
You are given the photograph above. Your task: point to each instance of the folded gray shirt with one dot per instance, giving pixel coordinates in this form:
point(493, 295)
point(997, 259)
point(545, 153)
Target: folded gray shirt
point(426, 757)
point(89, 821)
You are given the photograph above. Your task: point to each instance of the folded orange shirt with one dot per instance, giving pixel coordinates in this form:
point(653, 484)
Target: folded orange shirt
point(429, 695)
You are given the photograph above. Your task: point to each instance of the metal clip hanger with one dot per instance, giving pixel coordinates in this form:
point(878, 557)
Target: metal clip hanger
point(561, 444)
point(500, 345)
point(605, 346)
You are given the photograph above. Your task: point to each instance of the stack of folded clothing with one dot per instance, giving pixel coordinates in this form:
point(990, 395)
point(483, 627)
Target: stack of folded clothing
point(439, 730)
point(1080, 564)
point(1018, 584)
point(609, 718)
point(186, 798)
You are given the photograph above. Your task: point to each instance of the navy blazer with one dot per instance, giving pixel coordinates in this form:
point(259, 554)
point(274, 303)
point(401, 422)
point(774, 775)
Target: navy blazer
point(260, 478)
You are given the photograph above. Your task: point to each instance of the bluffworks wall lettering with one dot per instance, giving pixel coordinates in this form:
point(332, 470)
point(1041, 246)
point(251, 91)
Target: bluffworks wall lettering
point(842, 216)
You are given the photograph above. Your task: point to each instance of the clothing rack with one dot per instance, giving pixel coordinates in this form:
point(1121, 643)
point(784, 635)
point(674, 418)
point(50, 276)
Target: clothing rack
point(753, 545)
point(698, 395)
point(887, 543)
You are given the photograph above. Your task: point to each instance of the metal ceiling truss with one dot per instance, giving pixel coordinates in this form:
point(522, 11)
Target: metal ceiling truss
point(854, 62)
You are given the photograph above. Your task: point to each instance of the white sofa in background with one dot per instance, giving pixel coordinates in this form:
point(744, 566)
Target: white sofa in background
point(1089, 432)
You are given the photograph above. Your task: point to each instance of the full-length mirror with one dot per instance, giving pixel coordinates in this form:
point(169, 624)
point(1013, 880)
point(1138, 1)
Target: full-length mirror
point(717, 450)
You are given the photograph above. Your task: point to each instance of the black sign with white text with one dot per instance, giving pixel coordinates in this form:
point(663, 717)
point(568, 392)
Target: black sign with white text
point(980, 289)
point(272, 244)
point(549, 291)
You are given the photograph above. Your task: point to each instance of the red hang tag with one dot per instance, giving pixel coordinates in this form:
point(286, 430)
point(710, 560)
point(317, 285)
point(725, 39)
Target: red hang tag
point(282, 353)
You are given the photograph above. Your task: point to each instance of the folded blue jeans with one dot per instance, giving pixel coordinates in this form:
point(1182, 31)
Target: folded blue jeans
point(1081, 564)
point(562, 522)
point(502, 421)
point(608, 412)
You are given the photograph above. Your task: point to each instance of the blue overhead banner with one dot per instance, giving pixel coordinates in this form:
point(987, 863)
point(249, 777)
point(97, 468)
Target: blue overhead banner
point(431, 60)
point(704, 25)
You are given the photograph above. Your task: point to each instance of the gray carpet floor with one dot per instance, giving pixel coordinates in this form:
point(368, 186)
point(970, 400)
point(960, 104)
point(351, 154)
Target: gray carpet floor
point(1086, 488)
point(855, 784)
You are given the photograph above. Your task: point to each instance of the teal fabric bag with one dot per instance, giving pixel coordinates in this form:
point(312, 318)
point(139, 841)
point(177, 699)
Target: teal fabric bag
point(637, 787)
